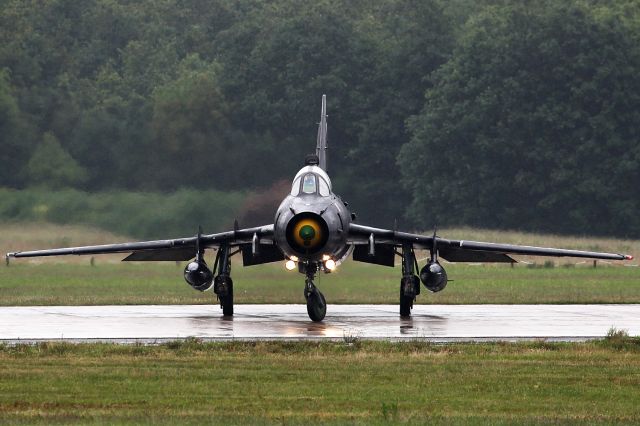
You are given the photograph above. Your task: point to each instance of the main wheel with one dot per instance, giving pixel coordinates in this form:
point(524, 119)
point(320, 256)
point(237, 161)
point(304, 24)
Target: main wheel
point(406, 303)
point(227, 301)
point(407, 295)
point(316, 306)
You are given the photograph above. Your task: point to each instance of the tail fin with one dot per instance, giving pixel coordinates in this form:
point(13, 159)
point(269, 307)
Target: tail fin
point(321, 145)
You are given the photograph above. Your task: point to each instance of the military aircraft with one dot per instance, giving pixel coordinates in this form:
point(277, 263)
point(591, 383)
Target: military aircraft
point(314, 231)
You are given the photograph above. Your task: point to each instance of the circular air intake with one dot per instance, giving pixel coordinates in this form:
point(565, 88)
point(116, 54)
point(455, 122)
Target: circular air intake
point(307, 233)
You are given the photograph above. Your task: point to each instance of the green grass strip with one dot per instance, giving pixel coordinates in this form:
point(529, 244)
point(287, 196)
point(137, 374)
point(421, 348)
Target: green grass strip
point(24, 284)
point(191, 382)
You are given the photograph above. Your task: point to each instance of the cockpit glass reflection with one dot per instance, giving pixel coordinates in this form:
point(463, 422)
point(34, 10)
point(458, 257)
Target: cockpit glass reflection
point(309, 184)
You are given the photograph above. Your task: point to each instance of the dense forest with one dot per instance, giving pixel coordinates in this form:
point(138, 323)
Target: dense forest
point(492, 113)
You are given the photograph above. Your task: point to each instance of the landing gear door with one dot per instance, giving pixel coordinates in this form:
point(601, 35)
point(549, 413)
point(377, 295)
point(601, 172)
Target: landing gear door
point(384, 254)
point(265, 253)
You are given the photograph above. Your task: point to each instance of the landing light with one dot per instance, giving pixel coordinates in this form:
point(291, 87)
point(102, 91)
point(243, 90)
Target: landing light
point(290, 265)
point(294, 258)
point(330, 264)
point(325, 257)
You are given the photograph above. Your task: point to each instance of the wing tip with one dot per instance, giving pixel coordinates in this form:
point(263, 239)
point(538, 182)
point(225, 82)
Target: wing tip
point(628, 257)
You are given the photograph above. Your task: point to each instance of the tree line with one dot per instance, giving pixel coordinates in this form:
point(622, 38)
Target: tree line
point(493, 113)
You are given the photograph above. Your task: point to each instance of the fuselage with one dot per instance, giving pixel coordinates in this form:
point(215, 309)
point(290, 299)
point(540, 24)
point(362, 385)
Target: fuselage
point(311, 224)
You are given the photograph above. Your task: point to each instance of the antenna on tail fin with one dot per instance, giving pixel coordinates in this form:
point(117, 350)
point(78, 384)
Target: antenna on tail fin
point(321, 145)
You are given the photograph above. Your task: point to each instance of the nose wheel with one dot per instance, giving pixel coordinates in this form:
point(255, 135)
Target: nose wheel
point(316, 303)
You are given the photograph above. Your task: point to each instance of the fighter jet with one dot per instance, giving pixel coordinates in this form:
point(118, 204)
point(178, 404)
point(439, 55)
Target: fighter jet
point(314, 232)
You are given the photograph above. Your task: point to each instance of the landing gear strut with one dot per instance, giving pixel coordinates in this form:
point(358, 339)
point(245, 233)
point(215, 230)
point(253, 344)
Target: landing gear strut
point(222, 283)
point(410, 283)
point(316, 304)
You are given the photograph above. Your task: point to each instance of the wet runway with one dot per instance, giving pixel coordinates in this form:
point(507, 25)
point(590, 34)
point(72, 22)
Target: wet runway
point(437, 323)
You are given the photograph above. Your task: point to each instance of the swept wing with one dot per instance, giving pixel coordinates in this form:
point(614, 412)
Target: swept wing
point(463, 250)
point(178, 249)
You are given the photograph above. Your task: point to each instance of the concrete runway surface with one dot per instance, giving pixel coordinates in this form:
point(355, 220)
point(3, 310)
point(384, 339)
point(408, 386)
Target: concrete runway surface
point(438, 323)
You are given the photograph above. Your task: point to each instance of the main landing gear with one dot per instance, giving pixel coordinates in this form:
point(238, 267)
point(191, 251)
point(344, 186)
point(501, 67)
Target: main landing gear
point(316, 304)
point(222, 283)
point(201, 278)
point(410, 282)
point(432, 275)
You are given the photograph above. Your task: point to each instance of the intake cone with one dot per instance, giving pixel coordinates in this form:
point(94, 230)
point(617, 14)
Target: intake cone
point(307, 233)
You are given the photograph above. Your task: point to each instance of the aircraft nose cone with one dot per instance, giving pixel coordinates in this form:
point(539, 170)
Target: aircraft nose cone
point(307, 233)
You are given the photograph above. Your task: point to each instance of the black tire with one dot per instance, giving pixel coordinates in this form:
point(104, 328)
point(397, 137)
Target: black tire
point(406, 302)
point(316, 306)
point(227, 301)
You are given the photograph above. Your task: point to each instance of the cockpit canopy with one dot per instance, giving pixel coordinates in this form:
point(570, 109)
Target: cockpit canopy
point(311, 180)
point(309, 183)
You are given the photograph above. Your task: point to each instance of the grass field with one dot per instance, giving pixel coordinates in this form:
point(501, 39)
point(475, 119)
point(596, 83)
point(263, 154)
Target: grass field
point(82, 284)
point(350, 382)
point(321, 383)
point(72, 280)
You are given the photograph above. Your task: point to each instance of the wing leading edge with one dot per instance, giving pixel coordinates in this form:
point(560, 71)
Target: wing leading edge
point(466, 251)
point(176, 249)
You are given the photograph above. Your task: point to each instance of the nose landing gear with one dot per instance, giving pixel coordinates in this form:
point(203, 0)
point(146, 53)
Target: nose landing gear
point(316, 303)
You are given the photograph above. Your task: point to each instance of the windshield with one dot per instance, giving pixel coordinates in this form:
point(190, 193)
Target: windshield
point(324, 188)
point(295, 189)
point(309, 184)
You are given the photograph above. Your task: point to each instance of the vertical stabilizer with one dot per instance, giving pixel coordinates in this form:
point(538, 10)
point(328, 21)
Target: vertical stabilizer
point(321, 145)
